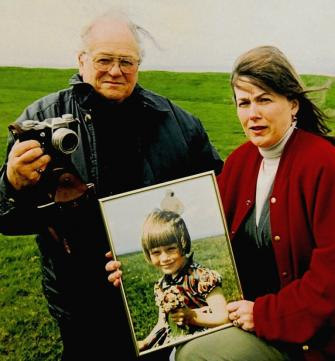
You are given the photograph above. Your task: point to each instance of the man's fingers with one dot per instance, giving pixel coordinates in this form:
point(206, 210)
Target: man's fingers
point(29, 153)
point(115, 278)
point(112, 266)
point(109, 255)
point(42, 162)
point(117, 282)
point(20, 148)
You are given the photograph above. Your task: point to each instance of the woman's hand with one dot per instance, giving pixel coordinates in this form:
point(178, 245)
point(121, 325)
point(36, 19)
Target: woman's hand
point(241, 314)
point(113, 267)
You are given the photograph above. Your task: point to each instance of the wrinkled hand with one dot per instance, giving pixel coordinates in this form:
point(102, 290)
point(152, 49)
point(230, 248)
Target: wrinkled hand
point(241, 313)
point(26, 162)
point(113, 267)
point(182, 316)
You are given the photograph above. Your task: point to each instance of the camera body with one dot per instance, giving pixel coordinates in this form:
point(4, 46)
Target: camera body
point(56, 135)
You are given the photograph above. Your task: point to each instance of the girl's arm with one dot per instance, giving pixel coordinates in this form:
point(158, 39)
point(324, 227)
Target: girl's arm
point(215, 314)
point(158, 332)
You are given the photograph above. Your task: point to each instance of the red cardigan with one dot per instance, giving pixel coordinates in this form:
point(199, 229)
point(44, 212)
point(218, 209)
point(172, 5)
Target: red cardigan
point(302, 216)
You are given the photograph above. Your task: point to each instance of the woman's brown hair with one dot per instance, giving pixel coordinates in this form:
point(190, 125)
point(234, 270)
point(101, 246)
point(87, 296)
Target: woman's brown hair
point(269, 69)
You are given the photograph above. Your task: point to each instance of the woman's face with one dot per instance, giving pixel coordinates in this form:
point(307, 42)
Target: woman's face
point(168, 259)
point(265, 116)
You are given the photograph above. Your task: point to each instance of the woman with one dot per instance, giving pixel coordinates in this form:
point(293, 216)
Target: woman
point(278, 193)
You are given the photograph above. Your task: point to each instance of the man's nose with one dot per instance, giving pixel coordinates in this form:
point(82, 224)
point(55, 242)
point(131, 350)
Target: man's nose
point(115, 69)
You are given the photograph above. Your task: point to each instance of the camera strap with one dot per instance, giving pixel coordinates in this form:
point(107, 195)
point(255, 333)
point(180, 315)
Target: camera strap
point(63, 187)
point(69, 195)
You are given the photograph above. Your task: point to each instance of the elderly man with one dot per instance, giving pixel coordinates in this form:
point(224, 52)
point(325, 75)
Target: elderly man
point(129, 138)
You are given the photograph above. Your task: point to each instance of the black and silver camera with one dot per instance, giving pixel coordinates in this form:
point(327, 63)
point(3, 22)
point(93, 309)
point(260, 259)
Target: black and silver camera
point(54, 134)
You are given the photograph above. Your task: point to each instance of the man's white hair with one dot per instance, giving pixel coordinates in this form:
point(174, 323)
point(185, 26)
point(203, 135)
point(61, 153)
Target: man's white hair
point(116, 14)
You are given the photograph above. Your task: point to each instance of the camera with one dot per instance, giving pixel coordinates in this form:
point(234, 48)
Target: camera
point(54, 134)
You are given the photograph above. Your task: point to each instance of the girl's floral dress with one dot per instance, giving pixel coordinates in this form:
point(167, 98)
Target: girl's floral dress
point(190, 288)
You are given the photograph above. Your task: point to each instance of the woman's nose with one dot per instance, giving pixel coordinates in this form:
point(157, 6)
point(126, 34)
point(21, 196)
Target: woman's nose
point(253, 112)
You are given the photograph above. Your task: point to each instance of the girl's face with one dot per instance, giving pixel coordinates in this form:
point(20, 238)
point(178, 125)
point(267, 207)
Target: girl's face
point(168, 259)
point(265, 116)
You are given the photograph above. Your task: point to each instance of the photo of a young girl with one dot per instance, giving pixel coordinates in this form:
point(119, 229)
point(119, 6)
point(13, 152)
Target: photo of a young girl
point(189, 296)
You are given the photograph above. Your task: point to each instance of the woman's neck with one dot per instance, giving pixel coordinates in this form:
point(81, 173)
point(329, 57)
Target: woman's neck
point(276, 150)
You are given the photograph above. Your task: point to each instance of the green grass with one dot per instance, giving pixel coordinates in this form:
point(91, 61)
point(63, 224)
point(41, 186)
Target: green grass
point(27, 332)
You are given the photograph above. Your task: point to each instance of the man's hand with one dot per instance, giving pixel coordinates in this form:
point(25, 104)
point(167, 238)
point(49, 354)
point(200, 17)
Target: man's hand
point(26, 162)
point(113, 267)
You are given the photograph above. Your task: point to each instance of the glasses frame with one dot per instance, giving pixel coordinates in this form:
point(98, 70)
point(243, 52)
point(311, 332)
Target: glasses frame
point(115, 59)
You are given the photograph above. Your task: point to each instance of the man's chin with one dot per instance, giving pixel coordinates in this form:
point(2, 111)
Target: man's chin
point(115, 96)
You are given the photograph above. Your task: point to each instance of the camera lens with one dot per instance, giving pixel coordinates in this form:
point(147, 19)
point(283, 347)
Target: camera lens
point(65, 140)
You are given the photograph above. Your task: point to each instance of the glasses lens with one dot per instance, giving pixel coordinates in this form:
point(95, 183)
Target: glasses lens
point(127, 65)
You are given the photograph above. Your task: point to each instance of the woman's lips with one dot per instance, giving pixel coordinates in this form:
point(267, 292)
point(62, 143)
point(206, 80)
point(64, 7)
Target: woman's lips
point(257, 127)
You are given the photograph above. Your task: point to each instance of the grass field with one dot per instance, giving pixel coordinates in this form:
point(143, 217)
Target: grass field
point(27, 333)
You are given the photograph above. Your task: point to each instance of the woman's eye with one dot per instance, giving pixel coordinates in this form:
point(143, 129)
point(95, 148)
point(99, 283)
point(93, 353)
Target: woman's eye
point(265, 100)
point(242, 104)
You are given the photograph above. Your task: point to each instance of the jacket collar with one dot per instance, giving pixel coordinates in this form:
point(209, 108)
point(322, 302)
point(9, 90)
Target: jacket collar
point(87, 96)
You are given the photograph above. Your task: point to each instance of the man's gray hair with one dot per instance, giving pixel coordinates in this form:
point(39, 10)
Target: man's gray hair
point(118, 15)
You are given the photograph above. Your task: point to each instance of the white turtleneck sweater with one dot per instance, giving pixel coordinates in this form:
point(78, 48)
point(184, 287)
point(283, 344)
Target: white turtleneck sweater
point(268, 169)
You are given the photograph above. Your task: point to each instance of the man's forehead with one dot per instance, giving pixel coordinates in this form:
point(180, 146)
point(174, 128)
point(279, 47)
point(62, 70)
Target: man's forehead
point(113, 48)
point(112, 35)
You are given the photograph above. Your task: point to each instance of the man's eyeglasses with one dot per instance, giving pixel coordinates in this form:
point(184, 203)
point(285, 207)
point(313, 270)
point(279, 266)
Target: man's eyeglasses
point(127, 64)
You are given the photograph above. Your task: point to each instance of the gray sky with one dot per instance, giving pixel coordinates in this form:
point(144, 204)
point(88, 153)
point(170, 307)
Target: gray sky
point(193, 34)
point(125, 215)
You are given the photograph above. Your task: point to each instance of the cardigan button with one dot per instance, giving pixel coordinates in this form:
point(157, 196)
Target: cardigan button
point(273, 200)
point(277, 238)
point(305, 347)
point(284, 274)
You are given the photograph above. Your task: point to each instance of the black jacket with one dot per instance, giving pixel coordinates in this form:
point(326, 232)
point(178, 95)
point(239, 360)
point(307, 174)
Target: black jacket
point(146, 140)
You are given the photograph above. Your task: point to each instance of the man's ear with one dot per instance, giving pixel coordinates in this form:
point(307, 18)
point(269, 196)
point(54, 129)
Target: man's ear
point(81, 56)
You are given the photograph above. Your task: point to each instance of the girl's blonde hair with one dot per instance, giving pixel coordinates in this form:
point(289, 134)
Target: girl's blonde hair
point(162, 228)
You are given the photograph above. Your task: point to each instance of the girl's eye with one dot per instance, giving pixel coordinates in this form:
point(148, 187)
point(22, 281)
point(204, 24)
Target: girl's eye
point(172, 249)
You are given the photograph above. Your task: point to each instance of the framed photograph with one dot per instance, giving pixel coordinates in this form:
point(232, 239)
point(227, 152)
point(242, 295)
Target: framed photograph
point(178, 270)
